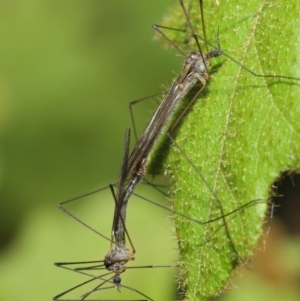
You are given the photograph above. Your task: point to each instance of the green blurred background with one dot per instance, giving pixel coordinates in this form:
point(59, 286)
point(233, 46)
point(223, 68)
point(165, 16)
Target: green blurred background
point(68, 70)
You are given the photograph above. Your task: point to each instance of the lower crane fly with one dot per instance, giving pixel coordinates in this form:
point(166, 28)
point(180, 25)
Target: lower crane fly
point(118, 254)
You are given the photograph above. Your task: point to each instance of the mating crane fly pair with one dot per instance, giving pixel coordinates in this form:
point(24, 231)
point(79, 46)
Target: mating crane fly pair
point(134, 165)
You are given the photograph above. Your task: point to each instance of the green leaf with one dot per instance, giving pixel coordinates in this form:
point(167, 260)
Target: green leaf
point(240, 134)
